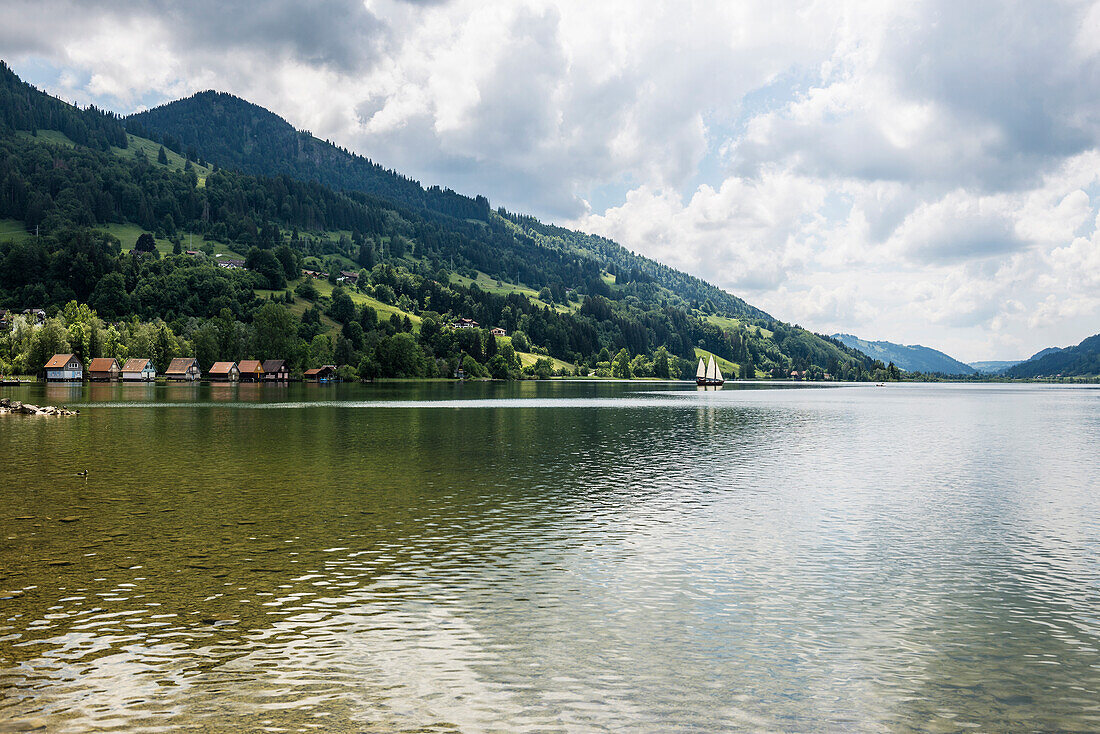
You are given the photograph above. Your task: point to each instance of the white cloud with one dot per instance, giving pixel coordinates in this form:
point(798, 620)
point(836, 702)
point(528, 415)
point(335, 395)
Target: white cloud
point(920, 172)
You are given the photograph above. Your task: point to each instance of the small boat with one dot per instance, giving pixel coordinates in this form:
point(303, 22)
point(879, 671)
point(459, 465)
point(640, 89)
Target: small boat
point(708, 375)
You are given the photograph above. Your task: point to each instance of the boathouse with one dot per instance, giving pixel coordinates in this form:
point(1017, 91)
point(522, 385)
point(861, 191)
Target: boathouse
point(275, 370)
point(224, 372)
point(185, 369)
point(251, 370)
point(321, 374)
point(139, 370)
point(103, 369)
point(64, 368)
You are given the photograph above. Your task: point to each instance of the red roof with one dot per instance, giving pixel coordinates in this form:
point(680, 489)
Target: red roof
point(102, 364)
point(251, 365)
point(58, 361)
point(222, 368)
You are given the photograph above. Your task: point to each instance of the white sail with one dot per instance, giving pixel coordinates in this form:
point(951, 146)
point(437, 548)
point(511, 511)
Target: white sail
point(718, 373)
point(711, 369)
point(701, 373)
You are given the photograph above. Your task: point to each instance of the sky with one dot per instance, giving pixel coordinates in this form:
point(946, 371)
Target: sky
point(918, 172)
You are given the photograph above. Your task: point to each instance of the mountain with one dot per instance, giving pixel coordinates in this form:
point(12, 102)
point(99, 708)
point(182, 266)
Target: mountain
point(993, 367)
point(1082, 360)
point(235, 134)
point(1042, 353)
point(911, 358)
point(1000, 367)
point(245, 137)
point(234, 181)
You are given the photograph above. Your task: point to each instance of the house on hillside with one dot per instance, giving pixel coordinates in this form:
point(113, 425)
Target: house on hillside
point(321, 374)
point(465, 324)
point(275, 370)
point(64, 368)
point(224, 372)
point(347, 276)
point(35, 315)
point(103, 369)
point(230, 263)
point(499, 332)
point(139, 370)
point(251, 370)
point(185, 369)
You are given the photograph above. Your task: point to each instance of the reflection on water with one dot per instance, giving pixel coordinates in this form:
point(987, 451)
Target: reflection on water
point(551, 557)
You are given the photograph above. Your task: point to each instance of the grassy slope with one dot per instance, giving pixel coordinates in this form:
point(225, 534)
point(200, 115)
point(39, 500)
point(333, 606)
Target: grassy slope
point(384, 309)
point(12, 230)
point(491, 285)
point(325, 289)
point(52, 137)
point(299, 307)
point(128, 233)
point(151, 149)
point(528, 358)
point(727, 323)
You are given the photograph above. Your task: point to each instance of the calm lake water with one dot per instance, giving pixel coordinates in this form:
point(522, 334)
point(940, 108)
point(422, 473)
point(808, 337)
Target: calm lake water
point(551, 557)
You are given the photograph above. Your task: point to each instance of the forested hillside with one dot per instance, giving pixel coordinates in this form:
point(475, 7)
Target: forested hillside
point(1082, 360)
point(245, 137)
point(73, 184)
point(236, 134)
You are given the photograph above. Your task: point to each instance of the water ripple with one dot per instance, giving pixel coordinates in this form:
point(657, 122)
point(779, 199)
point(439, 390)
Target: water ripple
point(910, 559)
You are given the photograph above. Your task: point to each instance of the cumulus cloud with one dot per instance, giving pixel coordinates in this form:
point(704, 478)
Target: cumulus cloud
point(957, 227)
point(920, 172)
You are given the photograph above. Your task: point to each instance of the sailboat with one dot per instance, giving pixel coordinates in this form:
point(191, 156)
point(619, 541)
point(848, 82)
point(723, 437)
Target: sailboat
point(709, 374)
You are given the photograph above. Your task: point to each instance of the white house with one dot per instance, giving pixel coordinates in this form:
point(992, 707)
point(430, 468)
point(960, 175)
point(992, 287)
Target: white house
point(139, 370)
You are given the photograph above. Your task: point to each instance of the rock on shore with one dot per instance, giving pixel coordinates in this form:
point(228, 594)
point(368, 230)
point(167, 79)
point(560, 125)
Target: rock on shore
point(8, 405)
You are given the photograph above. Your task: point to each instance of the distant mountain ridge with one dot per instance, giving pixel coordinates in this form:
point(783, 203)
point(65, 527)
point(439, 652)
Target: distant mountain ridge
point(999, 367)
point(911, 358)
point(1082, 360)
point(994, 367)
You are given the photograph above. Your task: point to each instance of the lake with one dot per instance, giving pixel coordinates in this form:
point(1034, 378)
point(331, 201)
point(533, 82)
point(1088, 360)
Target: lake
point(551, 556)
